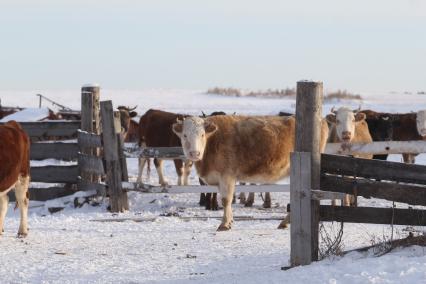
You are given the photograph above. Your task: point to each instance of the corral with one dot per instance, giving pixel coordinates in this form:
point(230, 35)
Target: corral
point(250, 244)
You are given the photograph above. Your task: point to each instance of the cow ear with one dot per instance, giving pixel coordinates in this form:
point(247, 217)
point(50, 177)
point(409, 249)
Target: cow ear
point(133, 113)
point(360, 116)
point(210, 127)
point(331, 118)
point(177, 128)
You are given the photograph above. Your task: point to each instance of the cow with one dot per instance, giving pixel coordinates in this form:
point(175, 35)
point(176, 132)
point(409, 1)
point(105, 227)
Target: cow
point(126, 115)
point(349, 127)
point(226, 149)
point(380, 126)
point(405, 128)
point(155, 130)
point(14, 172)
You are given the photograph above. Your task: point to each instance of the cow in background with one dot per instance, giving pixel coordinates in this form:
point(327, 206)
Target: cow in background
point(380, 126)
point(155, 130)
point(126, 115)
point(14, 172)
point(349, 126)
point(227, 149)
point(421, 123)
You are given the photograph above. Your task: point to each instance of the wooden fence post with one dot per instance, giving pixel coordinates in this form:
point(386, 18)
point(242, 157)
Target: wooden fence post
point(308, 135)
point(121, 157)
point(118, 197)
point(90, 122)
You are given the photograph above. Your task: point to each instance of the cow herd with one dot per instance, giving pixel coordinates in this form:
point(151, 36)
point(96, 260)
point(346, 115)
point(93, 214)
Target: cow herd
point(225, 149)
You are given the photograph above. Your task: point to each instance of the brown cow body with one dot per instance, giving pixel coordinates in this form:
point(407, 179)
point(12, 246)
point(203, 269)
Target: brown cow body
point(405, 129)
point(155, 130)
point(14, 171)
point(227, 149)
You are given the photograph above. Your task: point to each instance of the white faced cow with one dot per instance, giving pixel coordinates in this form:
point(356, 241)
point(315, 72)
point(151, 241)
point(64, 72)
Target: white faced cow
point(348, 126)
point(227, 149)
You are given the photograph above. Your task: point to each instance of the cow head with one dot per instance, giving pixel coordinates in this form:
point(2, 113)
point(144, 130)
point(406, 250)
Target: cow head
point(384, 127)
point(345, 120)
point(126, 114)
point(421, 123)
point(193, 133)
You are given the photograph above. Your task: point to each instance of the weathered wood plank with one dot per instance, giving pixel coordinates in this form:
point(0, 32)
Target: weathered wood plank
point(100, 188)
point(377, 169)
point(44, 129)
point(43, 194)
point(300, 200)
point(91, 164)
point(57, 150)
point(156, 152)
point(382, 147)
point(410, 194)
point(370, 215)
point(133, 186)
point(88, 140)
point(118, 197)
point(327, 195)
point(54, 174)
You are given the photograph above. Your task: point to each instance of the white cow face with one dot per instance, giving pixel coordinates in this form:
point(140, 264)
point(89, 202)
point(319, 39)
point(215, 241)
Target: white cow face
point(421, 123)
point(345, 120)
point(193, 133)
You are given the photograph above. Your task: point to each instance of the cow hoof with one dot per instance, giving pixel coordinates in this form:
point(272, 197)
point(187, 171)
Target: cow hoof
point(267, 205)
point(248, 204)
point(223, 227)
point(22, 235)
point(283, 225)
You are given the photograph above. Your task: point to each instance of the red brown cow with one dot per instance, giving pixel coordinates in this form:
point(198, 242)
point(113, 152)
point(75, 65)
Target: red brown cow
point(155, 130)
point(126, 114)
point(14, 171)
point(227, 149)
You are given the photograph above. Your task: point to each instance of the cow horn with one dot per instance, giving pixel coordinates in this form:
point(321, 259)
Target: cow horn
point(204, 115)
point(132, 109)
point(357, 110)
point(333, 110)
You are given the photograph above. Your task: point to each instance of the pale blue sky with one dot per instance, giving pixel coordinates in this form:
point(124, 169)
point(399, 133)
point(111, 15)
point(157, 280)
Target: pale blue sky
point(358, 45)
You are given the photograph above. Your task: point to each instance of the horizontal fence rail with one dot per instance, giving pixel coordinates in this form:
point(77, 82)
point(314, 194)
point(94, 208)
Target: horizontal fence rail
point(372, 215)
point(58, 128)
point(376, 169)
point(384, 147)
point(55, 174)
point(57, 150)
point(405, 193)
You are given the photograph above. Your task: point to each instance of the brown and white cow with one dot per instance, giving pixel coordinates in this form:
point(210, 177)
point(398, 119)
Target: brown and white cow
point(155, 130)
point(227, 149)
point(14, 172)
point(126, 115)
point(348, 126)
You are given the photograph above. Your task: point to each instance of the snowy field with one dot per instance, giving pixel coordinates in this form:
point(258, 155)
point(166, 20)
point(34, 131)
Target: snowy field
point(71, 247)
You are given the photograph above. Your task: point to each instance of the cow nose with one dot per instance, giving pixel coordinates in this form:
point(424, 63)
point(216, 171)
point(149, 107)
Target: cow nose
point(346, 134)
point(195, 154)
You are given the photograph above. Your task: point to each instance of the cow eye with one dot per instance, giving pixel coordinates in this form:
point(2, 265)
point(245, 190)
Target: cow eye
point(202, 135)
point(184, 135)
point(338, 121)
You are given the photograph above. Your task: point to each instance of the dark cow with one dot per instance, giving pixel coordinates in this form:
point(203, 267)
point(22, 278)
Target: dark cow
point(405, 129)
point(380, 126)
point(126, 114)
point(155, 130)
point(14, 172)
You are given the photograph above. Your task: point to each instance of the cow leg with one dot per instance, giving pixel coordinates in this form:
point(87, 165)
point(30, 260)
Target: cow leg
point(141, 165)
point(214, 205)
point(186, 172)
point(250, 200)
point(284, 223)
point(21, 193)
point(267, 202)
point(208, 201)
point(226, 189)
point(242, 198)
point(4, 202)
point(202, 199)
point(347, 200)
point(179, 171)
point(409, 158)
point(159, 166)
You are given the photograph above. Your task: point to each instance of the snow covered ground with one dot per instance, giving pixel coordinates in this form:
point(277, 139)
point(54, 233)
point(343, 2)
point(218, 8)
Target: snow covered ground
point(71, 247)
